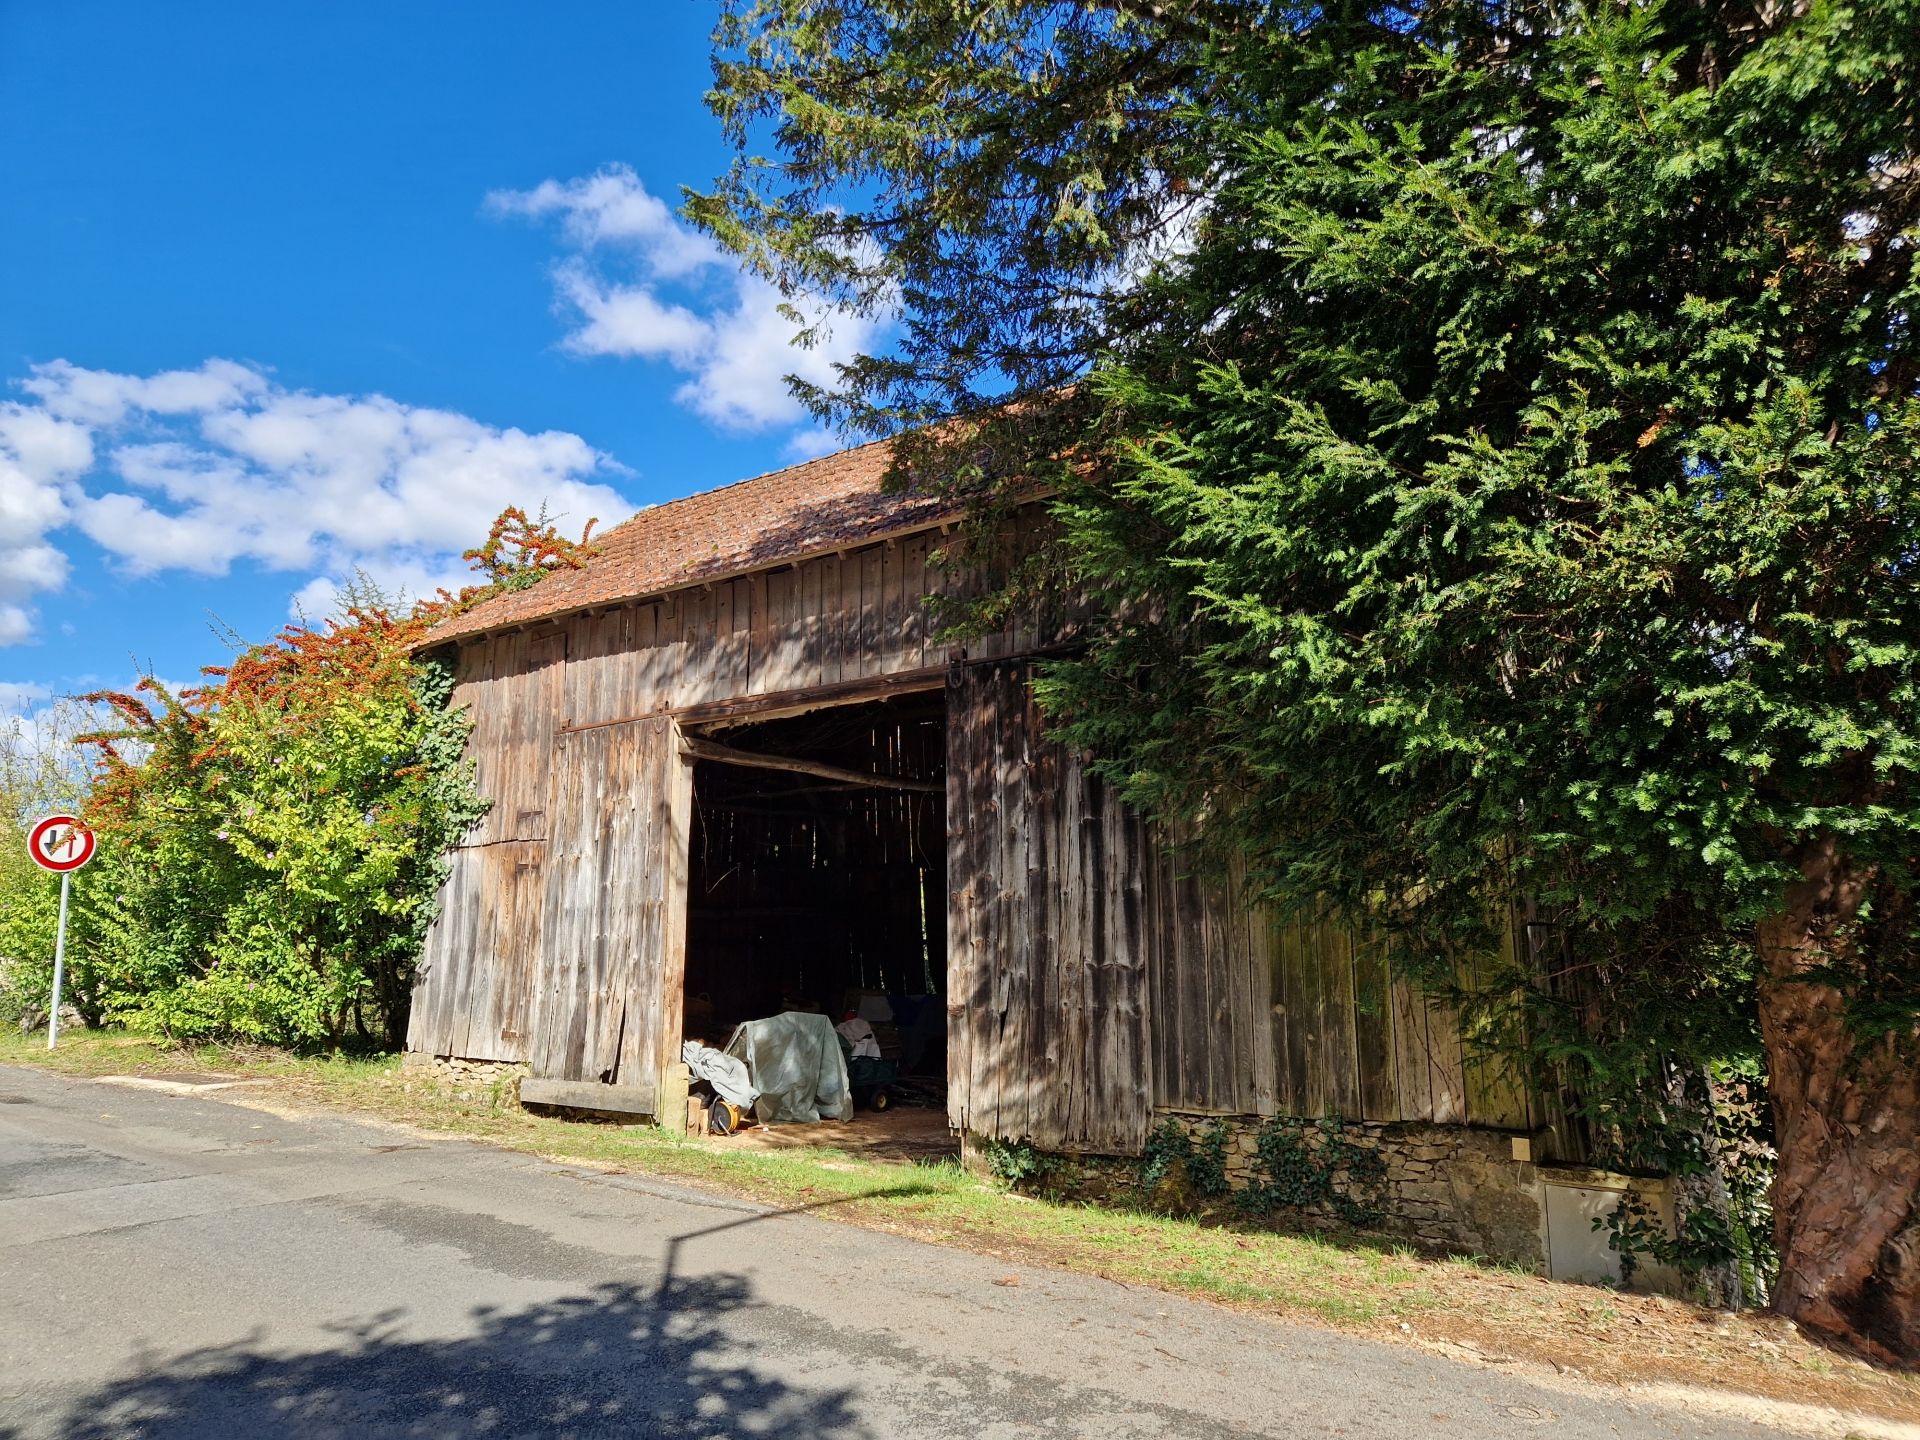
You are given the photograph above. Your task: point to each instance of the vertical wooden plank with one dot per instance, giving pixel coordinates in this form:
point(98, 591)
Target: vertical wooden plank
point(1229, 925)
point(611, 834)
point(1189, 911)
point(476, 974)
point(962, 945)
point(814, 627)
point(1295, 984)
point(893, 615)
point(728, 671)
point(1446, 1067)
point(1089, 1011)
point(1267, 1036)
point(701, 622)
point(1342, 1067)
point(1373, 1030)
point(1131, 1041)
point(434, 972)
point(670, 647)
point(521, 946)
point(573, 939)
point(758, 636)
point(1015, 955)
point(782, 643)
point(1496, 1096)
point(872, 606)
point(1051, 1043)
point(1412, 1073)
point(829, 617)
point(917, 585)
point(847, 618)
point(1028, 939)
point(1164, 990)
point(1256, 1031)
point(678, 837)
point(988, 1013)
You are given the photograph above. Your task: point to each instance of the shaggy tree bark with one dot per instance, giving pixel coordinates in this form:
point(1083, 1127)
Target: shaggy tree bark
point(1846, 1195)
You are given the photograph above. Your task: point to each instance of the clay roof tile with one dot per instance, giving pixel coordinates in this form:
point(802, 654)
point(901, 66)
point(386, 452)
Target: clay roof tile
point(820, 505)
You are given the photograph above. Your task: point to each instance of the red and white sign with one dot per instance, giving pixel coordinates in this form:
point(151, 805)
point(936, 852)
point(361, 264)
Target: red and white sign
point(60, 843)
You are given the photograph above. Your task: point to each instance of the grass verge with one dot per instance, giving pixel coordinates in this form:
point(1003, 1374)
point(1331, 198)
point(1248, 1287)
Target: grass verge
point(1487, 1314)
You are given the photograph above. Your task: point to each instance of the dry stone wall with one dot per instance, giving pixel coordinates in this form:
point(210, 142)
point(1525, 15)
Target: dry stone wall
point(478, 1076)
point(1445, 1188)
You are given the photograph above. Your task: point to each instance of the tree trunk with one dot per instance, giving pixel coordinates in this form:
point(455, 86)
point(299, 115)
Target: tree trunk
point(1846, 1195)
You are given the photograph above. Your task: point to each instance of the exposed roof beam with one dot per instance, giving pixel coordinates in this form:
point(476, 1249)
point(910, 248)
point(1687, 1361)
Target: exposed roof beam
point(755, 760)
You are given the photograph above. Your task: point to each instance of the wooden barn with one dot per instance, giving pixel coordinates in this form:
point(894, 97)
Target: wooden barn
point(734, 771)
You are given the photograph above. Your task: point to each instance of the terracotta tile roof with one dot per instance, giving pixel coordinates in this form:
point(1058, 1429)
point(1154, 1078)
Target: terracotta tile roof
point(823, 504)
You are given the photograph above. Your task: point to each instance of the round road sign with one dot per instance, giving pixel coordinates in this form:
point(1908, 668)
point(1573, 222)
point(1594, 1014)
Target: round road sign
point(60, 843)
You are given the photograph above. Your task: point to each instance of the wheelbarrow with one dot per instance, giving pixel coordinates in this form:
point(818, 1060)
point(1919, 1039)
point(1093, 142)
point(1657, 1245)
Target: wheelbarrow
point(870, 1080)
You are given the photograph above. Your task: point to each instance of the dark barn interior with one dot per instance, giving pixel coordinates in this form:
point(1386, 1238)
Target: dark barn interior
point(811, 890)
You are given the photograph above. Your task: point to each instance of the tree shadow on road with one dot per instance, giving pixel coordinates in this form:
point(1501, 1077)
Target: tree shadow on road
point(619, 1359)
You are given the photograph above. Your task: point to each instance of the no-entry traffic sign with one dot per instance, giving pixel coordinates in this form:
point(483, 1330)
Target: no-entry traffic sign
point(60, 843)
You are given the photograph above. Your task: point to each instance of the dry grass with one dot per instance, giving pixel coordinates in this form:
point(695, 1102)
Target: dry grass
point(1486, 1314)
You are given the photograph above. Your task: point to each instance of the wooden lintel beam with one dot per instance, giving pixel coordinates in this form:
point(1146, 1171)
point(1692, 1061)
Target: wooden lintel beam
point(755, 760)
point(783, 704)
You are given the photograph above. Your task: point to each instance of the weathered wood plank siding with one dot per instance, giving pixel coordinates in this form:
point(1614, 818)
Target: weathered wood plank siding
point(1256, 1016)
point(1093, 975)
point(851, 617)
point(474, 984)
point(612, 945)
point(827, 620)
point(1047, 977)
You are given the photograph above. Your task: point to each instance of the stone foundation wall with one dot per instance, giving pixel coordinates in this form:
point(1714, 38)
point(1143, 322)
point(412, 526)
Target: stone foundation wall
point(1446, 1188)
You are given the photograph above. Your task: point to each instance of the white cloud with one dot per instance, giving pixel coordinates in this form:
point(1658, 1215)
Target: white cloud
point(104, 398)
point(201, 469)
point(811, 444)
point(723, 329)
point(18, 699)
point(41, 458)
point(612, 207)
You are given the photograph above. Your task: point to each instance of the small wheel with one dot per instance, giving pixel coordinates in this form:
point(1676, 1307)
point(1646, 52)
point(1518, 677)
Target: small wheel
point(881, 1101)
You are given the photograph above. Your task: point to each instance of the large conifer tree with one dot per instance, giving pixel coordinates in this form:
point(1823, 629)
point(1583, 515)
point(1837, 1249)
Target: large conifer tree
point(1500, 427)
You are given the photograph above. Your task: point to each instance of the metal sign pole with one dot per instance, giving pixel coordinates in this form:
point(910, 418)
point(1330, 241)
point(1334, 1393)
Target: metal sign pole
point(62, 843)
point(59, 960)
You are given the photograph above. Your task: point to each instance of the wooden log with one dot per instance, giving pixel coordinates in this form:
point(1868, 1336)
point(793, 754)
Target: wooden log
point(591, 1095)
point(753, 760)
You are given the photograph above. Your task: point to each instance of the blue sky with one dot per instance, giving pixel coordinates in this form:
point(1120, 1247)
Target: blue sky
point(297, 289)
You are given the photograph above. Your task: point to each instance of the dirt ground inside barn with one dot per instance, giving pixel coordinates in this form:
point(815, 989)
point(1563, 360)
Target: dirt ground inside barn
point(902, 1135)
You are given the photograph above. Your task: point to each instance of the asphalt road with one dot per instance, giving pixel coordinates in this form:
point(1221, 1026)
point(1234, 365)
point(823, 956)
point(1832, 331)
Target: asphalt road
point(181, 1266)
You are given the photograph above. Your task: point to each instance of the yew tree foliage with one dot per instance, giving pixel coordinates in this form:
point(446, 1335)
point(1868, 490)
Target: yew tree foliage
point(1492, 437)
point(272, 841)
point(1461, 386)
point(1517, 482)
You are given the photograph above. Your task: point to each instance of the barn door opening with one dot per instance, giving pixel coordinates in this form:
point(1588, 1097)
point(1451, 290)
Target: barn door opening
point(817, 879)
